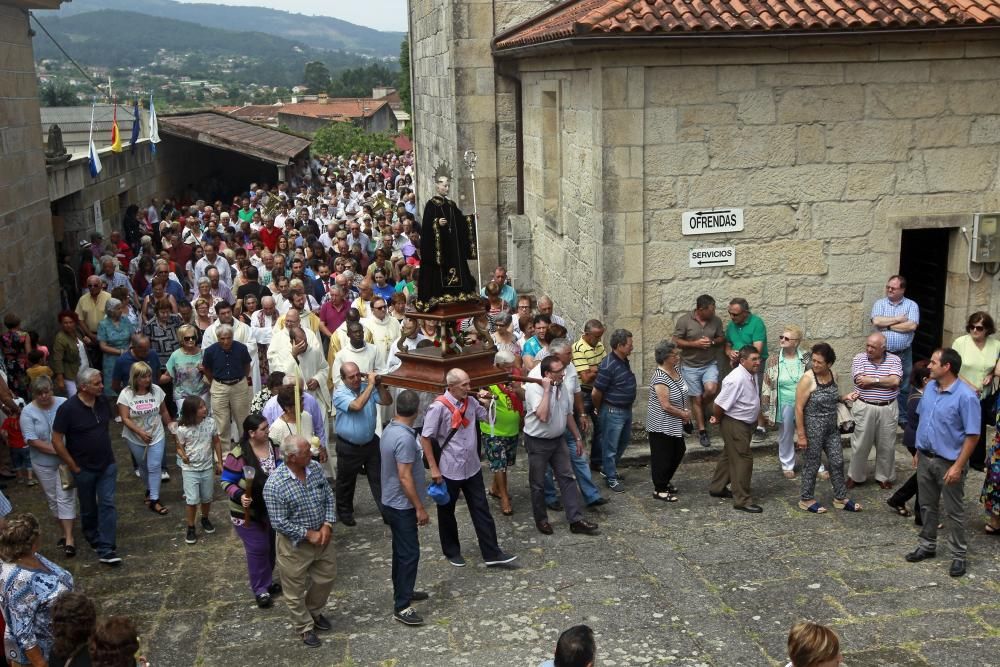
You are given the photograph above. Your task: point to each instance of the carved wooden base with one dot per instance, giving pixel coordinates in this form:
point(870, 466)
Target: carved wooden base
point(425, 369)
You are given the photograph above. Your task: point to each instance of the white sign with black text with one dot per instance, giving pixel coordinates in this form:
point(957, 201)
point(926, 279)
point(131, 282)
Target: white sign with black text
point(712, 221)
point(702, 258)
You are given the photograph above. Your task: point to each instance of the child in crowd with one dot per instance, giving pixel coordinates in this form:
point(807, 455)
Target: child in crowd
point(36, 345)
point(199, 455)
point(20, 455)
point(37, 368)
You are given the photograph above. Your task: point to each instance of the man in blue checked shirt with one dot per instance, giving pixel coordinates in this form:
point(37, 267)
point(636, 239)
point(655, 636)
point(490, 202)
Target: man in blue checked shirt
point(897, 318)
point(301, 507)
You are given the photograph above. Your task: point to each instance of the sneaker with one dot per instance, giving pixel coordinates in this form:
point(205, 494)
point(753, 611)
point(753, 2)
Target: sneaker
point(616, 485)
point(408, 616)
point(703, 439)
point(32, 482)
point(457, 561)
point(502, 559)
point(191, 537)
point(264, 600)
point(274, 589)
point(139, 474)
point(164, 476)
point(759, 434)
point(111, 558)
point(206, 525)
point(311, 640)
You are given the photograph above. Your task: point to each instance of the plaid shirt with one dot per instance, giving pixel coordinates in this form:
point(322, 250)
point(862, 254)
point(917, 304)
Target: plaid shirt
point(117, 280)
point(294, 507)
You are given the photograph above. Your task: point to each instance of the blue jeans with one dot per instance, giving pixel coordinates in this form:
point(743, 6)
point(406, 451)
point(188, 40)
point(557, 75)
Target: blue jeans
point(98, 515)
point(616, 433)
point(906, 356)
point(150, 462)
point(405, 554)
point(581, 469)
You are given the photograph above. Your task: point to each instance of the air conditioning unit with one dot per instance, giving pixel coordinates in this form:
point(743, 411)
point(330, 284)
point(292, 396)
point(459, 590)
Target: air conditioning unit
point(985, 238)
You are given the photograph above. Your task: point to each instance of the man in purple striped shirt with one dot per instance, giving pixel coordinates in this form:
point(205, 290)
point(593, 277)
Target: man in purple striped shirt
point(459, 467)
point(877, 376)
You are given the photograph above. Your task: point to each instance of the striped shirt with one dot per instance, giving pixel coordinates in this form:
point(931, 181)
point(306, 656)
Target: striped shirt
point(657, 419)
point(889, 366)
point(295, 507)
point(895, 341)
point(585, 356)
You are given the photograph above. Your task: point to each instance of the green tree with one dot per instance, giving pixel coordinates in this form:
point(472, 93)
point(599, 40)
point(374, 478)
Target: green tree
point(345, 138)
point(58, 94)
point(403, 83)
point(316, 77)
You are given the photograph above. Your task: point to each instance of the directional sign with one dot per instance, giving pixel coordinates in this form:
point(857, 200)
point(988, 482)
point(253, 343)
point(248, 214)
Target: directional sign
point(712, 221)
point(703, 258)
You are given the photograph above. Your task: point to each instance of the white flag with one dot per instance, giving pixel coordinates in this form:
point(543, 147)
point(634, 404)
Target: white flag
point(95, 160)
point(154, 126)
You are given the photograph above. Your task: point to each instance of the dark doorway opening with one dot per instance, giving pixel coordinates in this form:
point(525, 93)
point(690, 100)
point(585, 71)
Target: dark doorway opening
point(923, 261)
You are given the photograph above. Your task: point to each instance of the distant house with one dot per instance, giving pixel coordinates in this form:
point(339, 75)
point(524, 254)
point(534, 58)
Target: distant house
point(391, 95)
point(369, 114)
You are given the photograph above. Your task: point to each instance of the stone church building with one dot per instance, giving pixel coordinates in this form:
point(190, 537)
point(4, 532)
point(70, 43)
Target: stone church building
point(859, 139)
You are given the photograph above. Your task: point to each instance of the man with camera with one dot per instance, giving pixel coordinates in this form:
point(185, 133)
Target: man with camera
point(357, 443)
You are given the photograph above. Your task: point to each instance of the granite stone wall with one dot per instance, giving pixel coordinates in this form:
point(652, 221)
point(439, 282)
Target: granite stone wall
point(28, 279)
point(832, 151)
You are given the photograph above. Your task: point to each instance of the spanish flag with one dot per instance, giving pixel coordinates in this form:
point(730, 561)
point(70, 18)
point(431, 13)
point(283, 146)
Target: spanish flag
point(116, 140)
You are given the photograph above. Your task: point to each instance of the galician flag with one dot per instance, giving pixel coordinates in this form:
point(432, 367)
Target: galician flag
point(95, 161)
point(154, 128)
point(116, 139)
point(135, 125)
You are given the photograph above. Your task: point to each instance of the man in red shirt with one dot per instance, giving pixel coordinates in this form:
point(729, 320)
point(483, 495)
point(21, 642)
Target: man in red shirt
point(269, 234)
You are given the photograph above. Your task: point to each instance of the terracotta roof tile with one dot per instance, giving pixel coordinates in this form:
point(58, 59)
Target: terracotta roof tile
point(335, 107)
point(596, 18)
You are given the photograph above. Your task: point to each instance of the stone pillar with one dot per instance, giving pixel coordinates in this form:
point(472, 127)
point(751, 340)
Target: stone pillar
point(619, 101)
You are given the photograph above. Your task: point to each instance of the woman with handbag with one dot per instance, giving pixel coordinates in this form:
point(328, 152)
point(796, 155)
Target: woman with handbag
point(817, 431)
point(980, 366)
point(247, 511)
point(36, 426)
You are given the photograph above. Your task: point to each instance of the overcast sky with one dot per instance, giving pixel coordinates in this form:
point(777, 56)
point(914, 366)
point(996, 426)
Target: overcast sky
point(378, 14)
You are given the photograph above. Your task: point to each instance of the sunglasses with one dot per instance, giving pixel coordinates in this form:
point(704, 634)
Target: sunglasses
point(188, 339)
point(786, 338)
point(977, 327)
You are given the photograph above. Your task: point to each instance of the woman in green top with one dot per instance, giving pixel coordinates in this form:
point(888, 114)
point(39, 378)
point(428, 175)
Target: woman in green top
point(777, 401)
point(980, 364)
point(500, 438)
point(68, 353)
point(184, 367)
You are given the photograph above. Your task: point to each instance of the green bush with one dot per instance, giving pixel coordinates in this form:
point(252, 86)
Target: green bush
point(344, 138)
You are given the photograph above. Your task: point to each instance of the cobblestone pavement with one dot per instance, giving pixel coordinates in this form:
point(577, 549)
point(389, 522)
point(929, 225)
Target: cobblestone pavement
point(688, 583)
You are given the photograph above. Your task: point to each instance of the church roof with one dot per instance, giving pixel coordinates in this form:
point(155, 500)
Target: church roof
point(583, 19)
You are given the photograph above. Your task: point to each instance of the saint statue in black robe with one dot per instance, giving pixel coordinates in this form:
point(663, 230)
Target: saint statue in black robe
point(447, 243)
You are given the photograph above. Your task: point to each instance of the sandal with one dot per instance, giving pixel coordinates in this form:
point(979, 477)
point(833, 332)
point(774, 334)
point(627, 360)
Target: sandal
point(665, 496)
point(901, 510)
point(157, 508)
point(815, 508)
point(69, 550)
point(990, 530)
point(671, 489)
point(789, 474)
point(847, 505)
point(490, 493)
point(507, 512)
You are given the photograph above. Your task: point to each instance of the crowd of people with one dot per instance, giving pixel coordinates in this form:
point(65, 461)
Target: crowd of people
point(247, 344)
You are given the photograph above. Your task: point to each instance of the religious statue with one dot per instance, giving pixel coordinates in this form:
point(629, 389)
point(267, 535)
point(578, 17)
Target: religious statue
point(448, 242)
point(55, 152)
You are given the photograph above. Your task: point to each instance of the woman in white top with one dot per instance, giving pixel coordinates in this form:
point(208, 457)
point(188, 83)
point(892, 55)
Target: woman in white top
point(36, 427)
point(143, 410)
point(980, 365)
point(284, 425)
